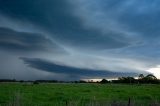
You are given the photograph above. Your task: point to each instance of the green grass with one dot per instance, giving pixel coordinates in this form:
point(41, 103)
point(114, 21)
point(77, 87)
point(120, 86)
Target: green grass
point(77, 94)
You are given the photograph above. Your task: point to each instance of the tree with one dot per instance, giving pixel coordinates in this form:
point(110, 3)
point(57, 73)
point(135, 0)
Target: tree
point(151, 77)
point(141, 76)
point(130, 80)
point(104, 81)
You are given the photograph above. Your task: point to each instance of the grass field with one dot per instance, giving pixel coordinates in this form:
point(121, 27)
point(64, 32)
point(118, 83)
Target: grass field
point(20, 94)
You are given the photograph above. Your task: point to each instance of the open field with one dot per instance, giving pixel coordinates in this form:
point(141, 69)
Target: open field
point(67, 94)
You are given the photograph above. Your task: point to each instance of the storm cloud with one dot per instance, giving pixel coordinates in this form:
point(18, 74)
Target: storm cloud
point(24, 42)
point(81, 38)
point(62, 69)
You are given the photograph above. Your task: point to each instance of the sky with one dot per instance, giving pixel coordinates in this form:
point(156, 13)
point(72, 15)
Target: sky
point(79, 39)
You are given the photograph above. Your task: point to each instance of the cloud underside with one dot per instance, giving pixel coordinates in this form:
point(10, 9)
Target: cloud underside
point(64, 25)
point(52, 67)
point(15, 41)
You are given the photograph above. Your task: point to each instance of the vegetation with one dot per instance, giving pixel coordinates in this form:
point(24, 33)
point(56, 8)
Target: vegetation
point(126, 91)
point(104, 81)
point(148, 79)
point(80, 94)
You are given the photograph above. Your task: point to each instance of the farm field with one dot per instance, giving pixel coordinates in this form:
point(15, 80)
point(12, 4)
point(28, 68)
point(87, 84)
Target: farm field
point(71, 94)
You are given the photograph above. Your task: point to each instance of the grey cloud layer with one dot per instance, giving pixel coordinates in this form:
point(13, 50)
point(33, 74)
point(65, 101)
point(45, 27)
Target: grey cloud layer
point(62, 22)
point(82, 35)
point(23, 41)
point(62, 69)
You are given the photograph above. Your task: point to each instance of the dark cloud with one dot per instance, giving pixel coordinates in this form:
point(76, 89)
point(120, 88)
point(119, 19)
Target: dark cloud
point(25, 42)
point(114, 35)
point(58, 17)
point(143, 18)
point(41, 12)
point(63, 69)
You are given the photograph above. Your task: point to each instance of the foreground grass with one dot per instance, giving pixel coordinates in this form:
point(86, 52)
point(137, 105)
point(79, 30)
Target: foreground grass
point(16, 94)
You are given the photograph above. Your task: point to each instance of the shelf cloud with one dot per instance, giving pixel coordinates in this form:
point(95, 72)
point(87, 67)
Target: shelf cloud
point(82, 38)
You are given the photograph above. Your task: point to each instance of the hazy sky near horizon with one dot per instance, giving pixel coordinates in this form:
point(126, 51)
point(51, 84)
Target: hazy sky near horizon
point(79, 39)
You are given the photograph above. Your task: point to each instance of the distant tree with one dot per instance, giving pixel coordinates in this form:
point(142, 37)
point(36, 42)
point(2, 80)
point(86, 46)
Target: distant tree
point(126, 80)
point(104, 81)
point(141, 76)
point(82, 81)
point(151, 77)
point(130, 80)
point(121, 78)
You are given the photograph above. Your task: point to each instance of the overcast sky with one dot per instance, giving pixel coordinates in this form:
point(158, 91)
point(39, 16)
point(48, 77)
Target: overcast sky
point(79, 39)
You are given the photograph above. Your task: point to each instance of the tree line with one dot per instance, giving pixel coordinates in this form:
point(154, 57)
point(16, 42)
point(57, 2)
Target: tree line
point(148, 79)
